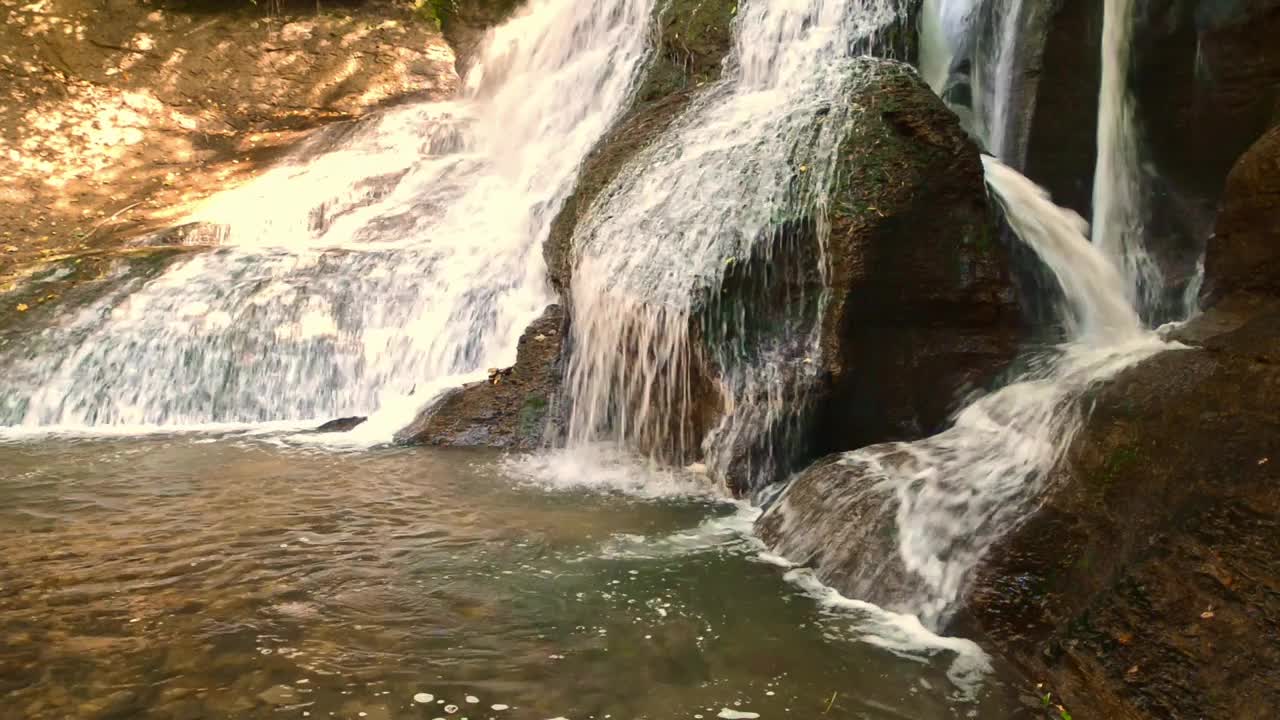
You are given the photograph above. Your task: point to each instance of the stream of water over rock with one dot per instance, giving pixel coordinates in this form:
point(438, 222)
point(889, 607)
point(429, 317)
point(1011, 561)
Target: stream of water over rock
point(386, 259)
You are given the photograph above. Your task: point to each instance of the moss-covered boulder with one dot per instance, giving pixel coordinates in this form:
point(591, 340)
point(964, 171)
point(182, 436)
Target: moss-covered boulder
point(511, 409)
point(922, 307)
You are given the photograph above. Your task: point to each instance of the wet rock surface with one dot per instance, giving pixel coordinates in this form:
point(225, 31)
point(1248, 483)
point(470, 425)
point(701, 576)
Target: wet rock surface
point(511, 409)
point(1244, 253)
point(922, 306)
point(1147, 586)
point(694, 40)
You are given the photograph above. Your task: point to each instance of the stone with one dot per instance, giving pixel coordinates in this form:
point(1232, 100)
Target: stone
point(1206, 85)
point(921, 306)
point(1244, 252)
point(344, 424)
point(511, 409)
point(1154, 549)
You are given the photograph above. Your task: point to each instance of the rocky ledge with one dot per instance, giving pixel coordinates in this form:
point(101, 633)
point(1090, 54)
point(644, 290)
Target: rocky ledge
point(511, 409)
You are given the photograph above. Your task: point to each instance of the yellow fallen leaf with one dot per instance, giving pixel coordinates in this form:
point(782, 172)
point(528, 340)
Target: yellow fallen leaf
point(22, 307)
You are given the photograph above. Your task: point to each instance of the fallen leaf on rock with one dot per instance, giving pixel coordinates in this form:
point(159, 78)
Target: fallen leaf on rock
point(23, 307)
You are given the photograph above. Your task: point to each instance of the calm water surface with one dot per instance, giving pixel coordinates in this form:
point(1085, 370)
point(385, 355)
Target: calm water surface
point(238, 577)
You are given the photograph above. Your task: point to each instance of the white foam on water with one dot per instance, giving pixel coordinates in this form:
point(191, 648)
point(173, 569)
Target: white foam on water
point(901, 633)
point(732, 532)
point(605, 467)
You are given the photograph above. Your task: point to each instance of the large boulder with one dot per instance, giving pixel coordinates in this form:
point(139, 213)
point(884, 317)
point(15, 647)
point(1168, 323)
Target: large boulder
point(921, 307)
point(511, 409)
point(920, 303)
point(1244, 252)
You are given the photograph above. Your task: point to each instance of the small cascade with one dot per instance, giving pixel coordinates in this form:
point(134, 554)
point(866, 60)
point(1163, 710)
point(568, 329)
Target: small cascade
point(947, 498)
point(1118, 203)
point(666, 356)
point(999, 56)
point(977, 55)
point(382, 260)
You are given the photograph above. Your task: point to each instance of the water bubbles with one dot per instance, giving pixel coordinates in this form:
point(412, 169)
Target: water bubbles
point(423, 697)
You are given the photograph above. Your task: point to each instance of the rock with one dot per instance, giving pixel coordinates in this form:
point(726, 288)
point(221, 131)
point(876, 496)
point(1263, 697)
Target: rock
point(1146, 586)
point(922, 305)
point(1244, 252)
point(465, 22)
point(341, 424)
point(1155, 549)
point(511, 409)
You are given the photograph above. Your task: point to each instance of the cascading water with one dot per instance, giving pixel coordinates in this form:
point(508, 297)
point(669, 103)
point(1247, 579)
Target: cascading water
point(1118, 208)
point(987, 46)
point(951, 495)
point(732, 184)
point(384, 260)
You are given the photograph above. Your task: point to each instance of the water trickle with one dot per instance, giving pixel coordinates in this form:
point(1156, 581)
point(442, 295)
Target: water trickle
point(383, 258)
point(666, 356)
point(952, 495)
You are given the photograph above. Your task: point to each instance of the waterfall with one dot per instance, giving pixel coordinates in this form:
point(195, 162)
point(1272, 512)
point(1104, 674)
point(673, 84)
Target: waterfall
point(952, 495)
point(1118, 207)
point(665, 355)
point(382, 259)
point(988, 46)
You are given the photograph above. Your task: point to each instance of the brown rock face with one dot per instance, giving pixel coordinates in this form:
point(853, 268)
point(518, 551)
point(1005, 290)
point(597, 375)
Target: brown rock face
point(509, 410)
point(117, 115)
point(1244, 253)
point(1148, 585)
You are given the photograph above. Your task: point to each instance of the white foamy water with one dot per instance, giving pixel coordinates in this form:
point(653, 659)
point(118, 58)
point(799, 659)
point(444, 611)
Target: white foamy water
point(712, 195)
point(383, 258)
point(950, 496)
point(1118, 206)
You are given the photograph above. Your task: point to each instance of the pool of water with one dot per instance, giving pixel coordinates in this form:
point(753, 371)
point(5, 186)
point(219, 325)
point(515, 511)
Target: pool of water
point(257, 577)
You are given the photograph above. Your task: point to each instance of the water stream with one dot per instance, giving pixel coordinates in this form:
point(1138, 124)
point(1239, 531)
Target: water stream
point(718, 195)
point(246, 571)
